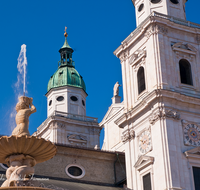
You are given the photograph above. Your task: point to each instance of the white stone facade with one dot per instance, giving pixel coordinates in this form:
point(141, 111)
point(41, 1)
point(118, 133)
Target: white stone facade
point(143, 8)
point(67, 103)
point(68, 129)
point(113, 134)
point(156, 121)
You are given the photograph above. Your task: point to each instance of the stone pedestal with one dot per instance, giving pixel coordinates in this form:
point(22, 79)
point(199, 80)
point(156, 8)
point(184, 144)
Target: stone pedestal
point(116, 99)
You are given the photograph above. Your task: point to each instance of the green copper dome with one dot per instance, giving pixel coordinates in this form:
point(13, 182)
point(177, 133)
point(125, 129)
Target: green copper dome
point(66, 75)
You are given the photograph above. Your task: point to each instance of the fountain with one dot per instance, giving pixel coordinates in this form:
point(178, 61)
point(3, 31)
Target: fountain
point(21, 151)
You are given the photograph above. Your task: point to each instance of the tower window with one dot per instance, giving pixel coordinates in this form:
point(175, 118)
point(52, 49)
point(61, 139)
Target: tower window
point(185, 72)
point(196, 174)
point(83, 102)
point(174, 1)
point(74, 98)
point(141, 7)
point(141, 80)
point(155, 1)
point(50, 102)
point(60, 98)
point(147, 182)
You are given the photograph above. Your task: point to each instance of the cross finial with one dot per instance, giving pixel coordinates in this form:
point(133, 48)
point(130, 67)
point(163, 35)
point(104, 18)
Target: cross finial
point(65, 34)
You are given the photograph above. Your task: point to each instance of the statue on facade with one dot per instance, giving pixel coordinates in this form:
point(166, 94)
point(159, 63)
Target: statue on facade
point(22, 117)
point(116, 89)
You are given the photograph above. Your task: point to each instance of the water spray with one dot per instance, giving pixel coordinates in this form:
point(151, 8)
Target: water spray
point(21, 66)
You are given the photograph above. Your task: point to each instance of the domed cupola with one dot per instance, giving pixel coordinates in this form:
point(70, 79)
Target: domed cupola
point(66, 91)
point(66, 75)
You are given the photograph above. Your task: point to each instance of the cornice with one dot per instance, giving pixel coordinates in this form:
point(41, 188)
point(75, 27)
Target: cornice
point(155, 23)
point(46, 124)
point(152, 96)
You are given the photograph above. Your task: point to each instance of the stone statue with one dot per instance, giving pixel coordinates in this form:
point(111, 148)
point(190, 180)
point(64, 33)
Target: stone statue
point(22, 117)
point(116, 89)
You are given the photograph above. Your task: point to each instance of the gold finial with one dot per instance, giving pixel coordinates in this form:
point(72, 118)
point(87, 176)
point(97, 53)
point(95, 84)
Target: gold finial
point(65, 34)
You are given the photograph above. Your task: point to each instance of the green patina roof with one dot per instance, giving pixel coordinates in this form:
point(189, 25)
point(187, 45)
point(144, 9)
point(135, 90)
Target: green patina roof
point(66, 76)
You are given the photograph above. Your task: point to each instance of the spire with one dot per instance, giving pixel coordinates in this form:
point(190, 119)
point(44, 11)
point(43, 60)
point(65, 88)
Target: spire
point(66, 45)
point(66, 53)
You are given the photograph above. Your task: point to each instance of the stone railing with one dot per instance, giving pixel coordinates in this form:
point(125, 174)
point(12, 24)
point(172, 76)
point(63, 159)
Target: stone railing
point(160, 15)
point(176, 20)
point(74, 116)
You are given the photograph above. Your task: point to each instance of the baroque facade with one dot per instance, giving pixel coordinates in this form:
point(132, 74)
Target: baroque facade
point(158, 120)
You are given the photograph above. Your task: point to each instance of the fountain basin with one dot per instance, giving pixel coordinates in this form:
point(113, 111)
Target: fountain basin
point(38, 148)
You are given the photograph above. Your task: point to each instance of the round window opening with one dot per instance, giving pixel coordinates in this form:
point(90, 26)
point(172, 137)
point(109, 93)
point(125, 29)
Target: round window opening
point(155, 1)
point(50, 102)
point(83, 102)
point(75, 171)
point(141, 7)
point(174, 1)
point(74, 98)
point(60, 98)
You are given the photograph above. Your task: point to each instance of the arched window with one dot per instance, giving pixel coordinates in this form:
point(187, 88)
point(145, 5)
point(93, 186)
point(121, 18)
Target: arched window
point(141, 80)
point(185, 72)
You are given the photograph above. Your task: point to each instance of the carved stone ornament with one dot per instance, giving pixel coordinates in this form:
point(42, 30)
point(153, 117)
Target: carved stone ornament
point(161, 29)
point(137, 56)
point(163, 113)
point(77, 139)
point(154, 29)
point(60, 125)
point(123, 56)
point(150, 30)
point(128, 135)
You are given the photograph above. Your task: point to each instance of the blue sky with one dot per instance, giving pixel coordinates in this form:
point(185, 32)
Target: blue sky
point(95, 29)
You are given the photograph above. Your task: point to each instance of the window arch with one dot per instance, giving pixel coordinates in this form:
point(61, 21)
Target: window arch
point(185, 72)
point(141, 80)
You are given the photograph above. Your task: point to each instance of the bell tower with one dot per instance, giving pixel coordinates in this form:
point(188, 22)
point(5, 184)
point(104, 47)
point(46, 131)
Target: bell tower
point(66, 122)
point(161, 90)
point(144, 8)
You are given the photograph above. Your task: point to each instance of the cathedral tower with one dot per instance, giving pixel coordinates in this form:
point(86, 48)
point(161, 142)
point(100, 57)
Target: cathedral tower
point(67, 122)
point(161, 88)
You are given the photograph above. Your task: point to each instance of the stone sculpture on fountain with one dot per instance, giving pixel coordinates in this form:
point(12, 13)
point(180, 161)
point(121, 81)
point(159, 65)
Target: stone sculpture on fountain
point(21, 151)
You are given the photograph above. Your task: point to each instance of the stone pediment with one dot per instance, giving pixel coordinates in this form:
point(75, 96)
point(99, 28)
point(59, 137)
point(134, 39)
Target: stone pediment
point(143, 162)
point(112, 111)
point(193, 153)
point(180, 46)
point(137, 56)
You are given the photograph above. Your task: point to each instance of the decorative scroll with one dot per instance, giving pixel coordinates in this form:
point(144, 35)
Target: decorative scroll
point(163, 113)
point(128, 135)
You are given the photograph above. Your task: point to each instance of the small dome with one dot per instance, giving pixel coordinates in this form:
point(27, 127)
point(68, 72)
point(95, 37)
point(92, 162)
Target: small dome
point(66, 76)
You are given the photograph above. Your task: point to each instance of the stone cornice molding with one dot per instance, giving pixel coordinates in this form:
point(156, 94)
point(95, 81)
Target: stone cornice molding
point(61, 122)
point(162, 114)
point(148, 27)
point(156, 95)
point(193, 154)
point(128, 135)
point(143, 162)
